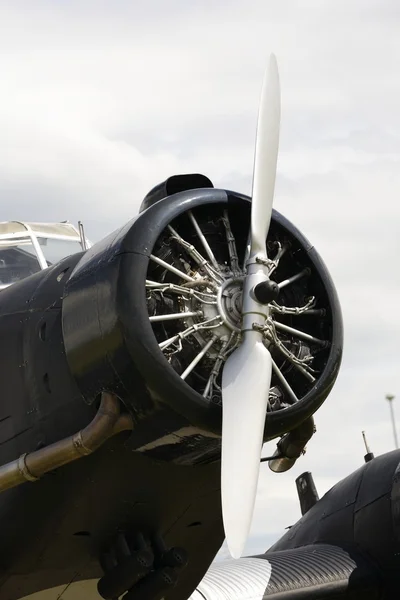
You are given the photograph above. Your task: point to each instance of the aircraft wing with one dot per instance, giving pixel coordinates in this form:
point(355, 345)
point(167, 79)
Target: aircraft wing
point(313, 572)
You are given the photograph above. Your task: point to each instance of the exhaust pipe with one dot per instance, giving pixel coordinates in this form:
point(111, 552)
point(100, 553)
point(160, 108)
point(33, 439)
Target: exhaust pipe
point(291, 446)
point(31, 467)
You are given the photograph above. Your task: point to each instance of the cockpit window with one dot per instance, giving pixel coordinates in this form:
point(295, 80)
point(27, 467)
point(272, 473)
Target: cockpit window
point(26, 248)
point(54, 250)
point(18, 260)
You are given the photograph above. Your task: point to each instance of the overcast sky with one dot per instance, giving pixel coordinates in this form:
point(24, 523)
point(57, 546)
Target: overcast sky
point(100, 100)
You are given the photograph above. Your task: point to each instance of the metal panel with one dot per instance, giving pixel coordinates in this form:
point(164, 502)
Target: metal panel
point(243, 579)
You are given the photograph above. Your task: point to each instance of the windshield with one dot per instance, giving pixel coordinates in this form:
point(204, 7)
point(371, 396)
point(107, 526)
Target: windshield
point(55, 250)
point(17, 260)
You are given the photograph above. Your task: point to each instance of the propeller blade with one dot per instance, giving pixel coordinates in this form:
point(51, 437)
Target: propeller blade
point(246, 379)
point(266, 157)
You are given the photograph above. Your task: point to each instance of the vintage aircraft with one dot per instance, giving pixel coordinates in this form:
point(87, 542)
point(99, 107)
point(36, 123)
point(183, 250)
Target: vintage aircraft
point(140, 377)
point(346, 545)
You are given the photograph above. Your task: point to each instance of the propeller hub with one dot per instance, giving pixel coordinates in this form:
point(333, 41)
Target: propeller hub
point(229, 302)
point(226, 307)
point(266, 291)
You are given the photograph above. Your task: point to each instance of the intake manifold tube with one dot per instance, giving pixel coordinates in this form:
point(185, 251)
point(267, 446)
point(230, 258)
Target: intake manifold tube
point(31, 467)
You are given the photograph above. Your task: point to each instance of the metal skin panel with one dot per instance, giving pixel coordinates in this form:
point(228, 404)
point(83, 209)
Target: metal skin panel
point(311, 572)
point(320, 571)
point(242, 579)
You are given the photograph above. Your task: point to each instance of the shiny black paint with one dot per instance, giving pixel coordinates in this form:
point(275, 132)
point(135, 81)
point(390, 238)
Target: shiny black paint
point(173, 185)
point(306, 491)
point(54, 530)
point(39, 400)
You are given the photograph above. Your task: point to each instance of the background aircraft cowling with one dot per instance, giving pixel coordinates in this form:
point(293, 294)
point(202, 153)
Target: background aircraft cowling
point(345, 547)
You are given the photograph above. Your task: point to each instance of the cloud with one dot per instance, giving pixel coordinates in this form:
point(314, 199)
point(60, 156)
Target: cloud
point(100, 101)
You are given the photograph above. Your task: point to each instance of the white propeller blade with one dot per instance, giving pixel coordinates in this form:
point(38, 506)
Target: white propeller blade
point(246, 377)
point(265, 158)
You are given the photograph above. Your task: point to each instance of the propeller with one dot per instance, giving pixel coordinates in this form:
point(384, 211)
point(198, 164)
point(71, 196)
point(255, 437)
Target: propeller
point(246, 377)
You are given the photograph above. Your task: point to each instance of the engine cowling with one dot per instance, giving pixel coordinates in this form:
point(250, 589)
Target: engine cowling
point(151, 313)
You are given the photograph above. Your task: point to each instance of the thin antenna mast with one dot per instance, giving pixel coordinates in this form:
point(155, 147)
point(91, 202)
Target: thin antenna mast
point(369, 456)
point(82, 235)
point(390, 398)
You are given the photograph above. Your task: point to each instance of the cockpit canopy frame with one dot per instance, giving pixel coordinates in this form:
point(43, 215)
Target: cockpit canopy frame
point(26, 248)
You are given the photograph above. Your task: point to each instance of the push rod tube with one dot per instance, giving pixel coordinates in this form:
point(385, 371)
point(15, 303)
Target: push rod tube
point(31, 467)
